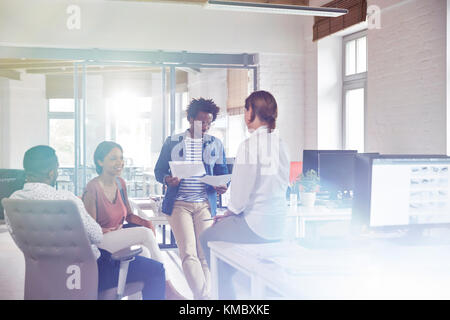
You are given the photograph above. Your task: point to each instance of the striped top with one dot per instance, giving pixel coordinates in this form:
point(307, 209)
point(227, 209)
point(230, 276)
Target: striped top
point(192, 190)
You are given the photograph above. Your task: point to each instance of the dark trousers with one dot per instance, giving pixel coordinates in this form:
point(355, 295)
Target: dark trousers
point(149, 271)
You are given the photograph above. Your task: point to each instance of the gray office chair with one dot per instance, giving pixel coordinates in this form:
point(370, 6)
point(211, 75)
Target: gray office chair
point(59, 261)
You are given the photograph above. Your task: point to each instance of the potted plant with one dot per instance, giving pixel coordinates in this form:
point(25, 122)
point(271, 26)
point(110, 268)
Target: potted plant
point(309, 185)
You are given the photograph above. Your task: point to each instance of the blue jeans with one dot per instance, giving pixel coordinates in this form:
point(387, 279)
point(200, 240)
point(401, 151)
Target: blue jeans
point(149, 271)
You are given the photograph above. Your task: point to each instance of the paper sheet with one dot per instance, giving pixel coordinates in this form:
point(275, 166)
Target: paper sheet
point(216, 181)
point(186, 169)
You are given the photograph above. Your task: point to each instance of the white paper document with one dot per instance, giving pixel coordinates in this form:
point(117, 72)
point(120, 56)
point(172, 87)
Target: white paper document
point(216, 181)
point(186, 169)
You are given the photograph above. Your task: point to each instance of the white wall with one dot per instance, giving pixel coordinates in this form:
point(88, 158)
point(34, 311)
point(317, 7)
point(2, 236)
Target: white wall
point(407, 78)
point(4, 116)
point(25, 114)
point(209, 84)
point(147, 26)
point(329, 106)
point(310, 84)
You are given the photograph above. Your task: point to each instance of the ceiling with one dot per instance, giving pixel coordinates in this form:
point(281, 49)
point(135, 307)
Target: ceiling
point(13, 68)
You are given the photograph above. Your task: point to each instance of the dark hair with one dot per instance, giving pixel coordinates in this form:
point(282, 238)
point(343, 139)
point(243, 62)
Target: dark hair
point(102, 151)
point(38, 161)
point(264, 106)
point(205, 105)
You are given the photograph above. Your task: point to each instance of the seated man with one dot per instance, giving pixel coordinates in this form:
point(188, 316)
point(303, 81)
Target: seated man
point(41, 169)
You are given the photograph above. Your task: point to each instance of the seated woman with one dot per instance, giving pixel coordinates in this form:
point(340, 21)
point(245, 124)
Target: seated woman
point(257, 207)
point(106, 200)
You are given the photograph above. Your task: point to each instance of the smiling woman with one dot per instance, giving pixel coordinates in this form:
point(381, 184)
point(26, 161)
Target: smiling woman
point(106, 200)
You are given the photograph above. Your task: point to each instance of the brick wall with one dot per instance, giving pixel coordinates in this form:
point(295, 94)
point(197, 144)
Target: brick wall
point(407, 78)
point(407, 110)
point(282, 75)
point(310, 87)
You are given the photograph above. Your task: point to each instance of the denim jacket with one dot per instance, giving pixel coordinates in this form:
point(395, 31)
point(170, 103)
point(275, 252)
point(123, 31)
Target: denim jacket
point(173, 150)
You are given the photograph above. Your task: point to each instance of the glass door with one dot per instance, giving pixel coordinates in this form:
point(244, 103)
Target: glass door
point(138, 105)
point(125, 103)
point(228, 87)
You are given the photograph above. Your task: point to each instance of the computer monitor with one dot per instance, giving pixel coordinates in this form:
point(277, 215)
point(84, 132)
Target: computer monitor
point(361, 189)
point(311, 158)
point(336, 171)
point(10, 180)
point(408, 192)
point(362, 184)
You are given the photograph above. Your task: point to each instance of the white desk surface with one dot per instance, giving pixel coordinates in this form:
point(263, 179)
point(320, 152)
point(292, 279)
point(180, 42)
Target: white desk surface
point(379, 271)
point(148, 209)
point(318, 211)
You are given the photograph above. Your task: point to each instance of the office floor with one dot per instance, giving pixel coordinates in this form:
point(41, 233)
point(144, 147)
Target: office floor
point(12, 269)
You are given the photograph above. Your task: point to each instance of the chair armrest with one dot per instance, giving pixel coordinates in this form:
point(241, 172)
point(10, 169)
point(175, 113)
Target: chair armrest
point(127, 253)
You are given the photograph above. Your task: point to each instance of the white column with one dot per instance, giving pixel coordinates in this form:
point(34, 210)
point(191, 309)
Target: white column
point(329, 102)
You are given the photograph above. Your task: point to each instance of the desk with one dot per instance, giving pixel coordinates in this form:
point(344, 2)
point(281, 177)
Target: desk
point(149, 209)
point(378, 270)
point(302, 215)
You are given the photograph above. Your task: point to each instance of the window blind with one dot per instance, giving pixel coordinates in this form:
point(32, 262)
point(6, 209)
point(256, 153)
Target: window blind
point(357, 12)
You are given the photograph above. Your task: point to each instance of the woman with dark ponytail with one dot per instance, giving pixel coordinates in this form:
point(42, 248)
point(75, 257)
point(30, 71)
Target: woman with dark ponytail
point(257, 208)
point(261, 104)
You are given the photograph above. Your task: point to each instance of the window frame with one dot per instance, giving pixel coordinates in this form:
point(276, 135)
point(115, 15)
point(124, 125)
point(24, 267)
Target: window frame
point(356, 76)
point(55, 115)
point(359, 84)
point(352, 82)
point(113, 124)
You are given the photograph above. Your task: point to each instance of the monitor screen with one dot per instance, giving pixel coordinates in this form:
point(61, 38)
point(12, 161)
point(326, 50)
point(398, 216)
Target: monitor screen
point(10, 180)
point(311, 158)
point(336, 172)
point(409, 191)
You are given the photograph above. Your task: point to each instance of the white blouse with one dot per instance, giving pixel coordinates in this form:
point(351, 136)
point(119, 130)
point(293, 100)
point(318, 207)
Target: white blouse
point(42, 191)
point(259, 182)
